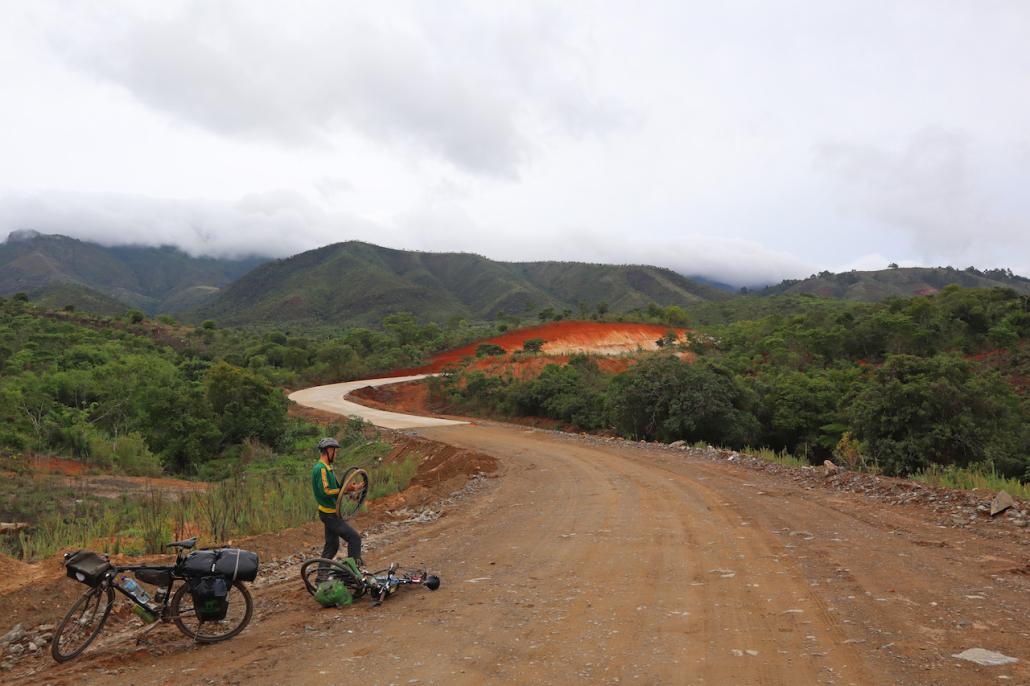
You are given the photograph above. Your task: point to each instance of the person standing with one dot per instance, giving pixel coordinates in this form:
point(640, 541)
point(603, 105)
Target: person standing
point(326, 490)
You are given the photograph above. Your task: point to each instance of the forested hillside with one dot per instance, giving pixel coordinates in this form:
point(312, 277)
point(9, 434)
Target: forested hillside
point(897, 387)
point(897, 282)
point(359, 283)
point(60, 271)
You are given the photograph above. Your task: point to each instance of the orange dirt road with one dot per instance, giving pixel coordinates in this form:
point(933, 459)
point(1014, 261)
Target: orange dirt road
point(589, 562)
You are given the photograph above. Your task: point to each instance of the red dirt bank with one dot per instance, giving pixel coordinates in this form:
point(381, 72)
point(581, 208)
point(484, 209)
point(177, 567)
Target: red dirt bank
point(562, 338)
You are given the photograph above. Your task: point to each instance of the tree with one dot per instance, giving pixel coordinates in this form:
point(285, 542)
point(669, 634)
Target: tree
point(917, 411)
point(667, 399)
point(245, 406)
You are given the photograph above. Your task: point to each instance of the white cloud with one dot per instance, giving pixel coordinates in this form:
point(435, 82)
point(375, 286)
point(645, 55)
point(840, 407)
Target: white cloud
point(283, 223)
point(268, 224)
point(461, 84)
point(675, 133)
point(939, 191)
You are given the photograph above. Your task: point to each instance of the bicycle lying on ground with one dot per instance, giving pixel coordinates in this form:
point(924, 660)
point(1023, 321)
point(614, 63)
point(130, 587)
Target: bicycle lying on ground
point(209, 604)
point(379, 585)
point(317, 572)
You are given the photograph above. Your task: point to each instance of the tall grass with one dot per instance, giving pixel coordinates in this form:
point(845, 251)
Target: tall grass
point(974, 476)
point(782, 457)
point(252, 503)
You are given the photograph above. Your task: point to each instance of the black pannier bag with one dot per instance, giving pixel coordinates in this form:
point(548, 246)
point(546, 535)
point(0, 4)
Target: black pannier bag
point(199, 563)
point(236, 565)
point(210, 597)
point(86, 567)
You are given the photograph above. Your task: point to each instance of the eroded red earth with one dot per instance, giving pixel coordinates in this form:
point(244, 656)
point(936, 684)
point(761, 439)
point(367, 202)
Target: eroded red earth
point(562, 338)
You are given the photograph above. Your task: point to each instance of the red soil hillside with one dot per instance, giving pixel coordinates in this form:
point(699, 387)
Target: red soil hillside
point(564, 338)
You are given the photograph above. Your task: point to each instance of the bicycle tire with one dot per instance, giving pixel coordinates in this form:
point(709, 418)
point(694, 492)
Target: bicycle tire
point(347, 503)
point(82, 605)
point(310, 569)
point(207, 632)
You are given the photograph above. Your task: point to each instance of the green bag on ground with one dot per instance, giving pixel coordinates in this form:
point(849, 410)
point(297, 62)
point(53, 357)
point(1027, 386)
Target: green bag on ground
point(333, 594)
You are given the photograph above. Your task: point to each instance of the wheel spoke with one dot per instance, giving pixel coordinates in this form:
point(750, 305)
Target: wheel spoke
point(81, 625)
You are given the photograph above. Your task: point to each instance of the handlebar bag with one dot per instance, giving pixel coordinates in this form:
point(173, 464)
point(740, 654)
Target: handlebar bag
point(86, 567)
point(210, 597)
point(236, 564)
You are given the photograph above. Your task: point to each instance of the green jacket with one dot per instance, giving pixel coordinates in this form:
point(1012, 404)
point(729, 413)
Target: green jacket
point(324, 486)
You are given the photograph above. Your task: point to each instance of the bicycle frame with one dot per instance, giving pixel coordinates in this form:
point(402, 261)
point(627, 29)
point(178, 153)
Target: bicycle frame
point(111, 579)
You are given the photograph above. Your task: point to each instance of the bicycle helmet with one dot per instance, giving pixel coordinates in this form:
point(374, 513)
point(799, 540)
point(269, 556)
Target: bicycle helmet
point(327, 443)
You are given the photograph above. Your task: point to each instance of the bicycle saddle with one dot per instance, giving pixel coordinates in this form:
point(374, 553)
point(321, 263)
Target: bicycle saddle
point(188, 543)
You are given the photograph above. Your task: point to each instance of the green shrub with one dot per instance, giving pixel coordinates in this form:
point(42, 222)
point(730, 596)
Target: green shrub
point(131, 455)
point(486, 349)
point(533, 345)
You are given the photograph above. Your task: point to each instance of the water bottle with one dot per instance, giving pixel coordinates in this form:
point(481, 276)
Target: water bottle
point(135, 590)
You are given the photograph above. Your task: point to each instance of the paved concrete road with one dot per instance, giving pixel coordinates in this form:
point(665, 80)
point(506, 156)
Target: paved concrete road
point(333, 398)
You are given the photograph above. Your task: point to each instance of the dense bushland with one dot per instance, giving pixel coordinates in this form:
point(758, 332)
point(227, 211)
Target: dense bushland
point(141, 396)
point(908, 383)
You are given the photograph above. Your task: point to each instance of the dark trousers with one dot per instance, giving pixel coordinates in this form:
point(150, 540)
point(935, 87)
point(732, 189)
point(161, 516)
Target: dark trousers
point(335, 529)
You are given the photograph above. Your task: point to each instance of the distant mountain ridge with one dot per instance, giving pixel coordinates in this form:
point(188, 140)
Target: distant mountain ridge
point(356, 283)
point(359, 283)
point(903, 282)
point(58, 270)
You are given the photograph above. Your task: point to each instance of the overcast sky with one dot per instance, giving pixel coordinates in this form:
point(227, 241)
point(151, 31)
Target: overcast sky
point(746, 141)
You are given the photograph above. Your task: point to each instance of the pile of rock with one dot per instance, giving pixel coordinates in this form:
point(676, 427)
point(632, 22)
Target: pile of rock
point(958, 508)
point(19, 642)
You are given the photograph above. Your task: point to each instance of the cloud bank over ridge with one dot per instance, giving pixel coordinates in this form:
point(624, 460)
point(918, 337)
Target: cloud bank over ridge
point(744, 142)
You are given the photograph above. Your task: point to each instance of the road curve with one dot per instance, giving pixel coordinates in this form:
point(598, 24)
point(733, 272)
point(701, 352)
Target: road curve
point(333, 398)
point(609, 562)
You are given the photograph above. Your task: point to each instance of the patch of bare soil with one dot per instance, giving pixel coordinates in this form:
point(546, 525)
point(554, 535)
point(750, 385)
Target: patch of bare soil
point(562, 338)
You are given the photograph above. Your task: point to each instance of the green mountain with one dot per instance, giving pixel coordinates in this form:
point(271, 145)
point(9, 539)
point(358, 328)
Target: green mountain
point(58, 270)
point(896, 282)
point(359, 283)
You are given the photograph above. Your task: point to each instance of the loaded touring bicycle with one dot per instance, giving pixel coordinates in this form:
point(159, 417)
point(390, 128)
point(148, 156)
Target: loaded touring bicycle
point(203, 594)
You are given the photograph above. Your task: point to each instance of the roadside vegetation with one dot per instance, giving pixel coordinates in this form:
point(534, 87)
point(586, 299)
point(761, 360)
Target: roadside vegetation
point(264, 491)
point(144, 397)
point(901, 387)
point(151, 397)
